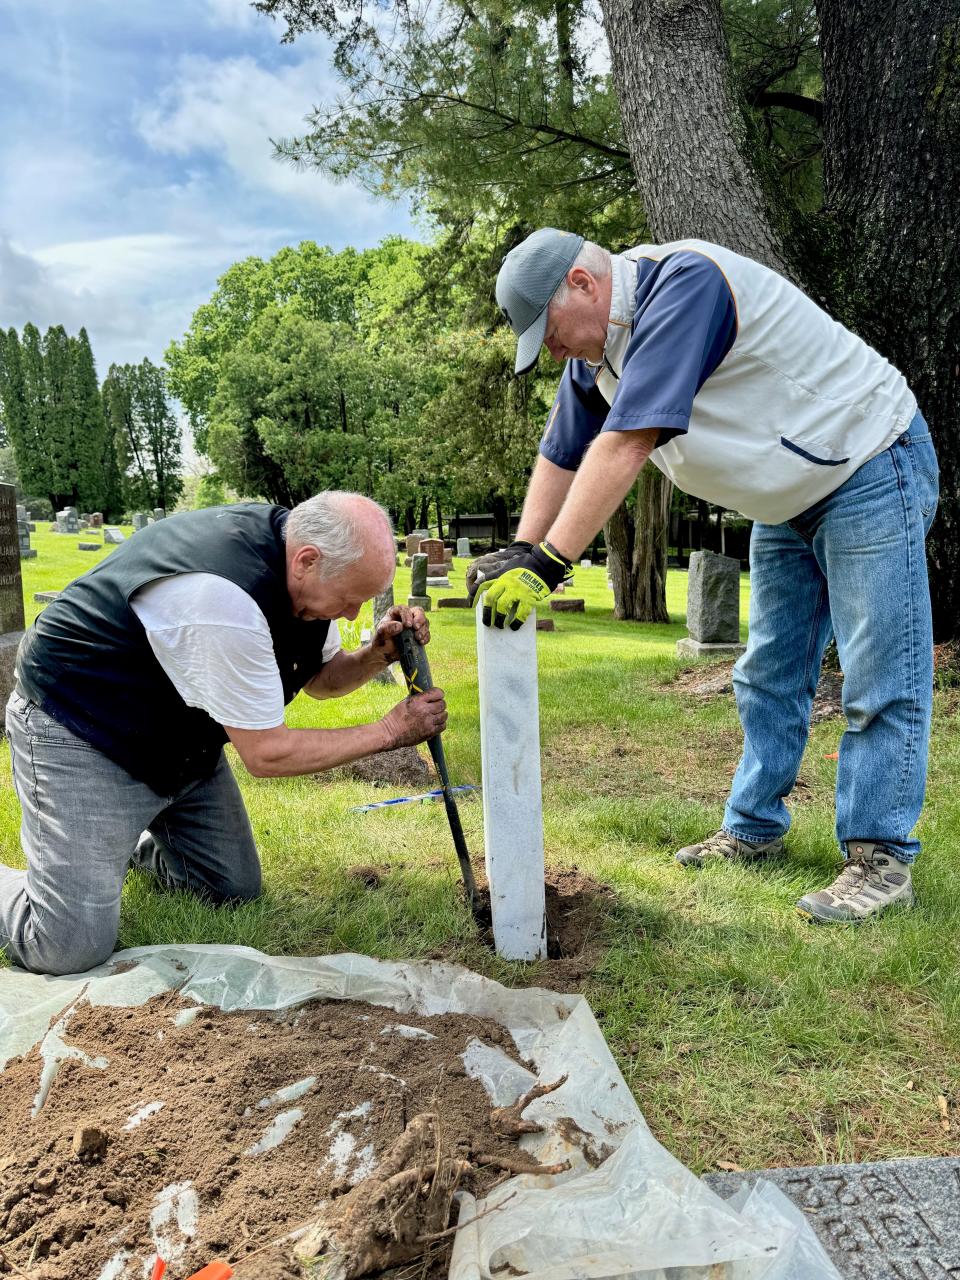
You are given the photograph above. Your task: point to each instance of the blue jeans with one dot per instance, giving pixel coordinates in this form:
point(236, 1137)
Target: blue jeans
point(853, 566)
point(85, 820)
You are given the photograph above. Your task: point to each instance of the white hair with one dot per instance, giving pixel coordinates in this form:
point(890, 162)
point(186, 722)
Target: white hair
point(593, 259)
point(338, 525)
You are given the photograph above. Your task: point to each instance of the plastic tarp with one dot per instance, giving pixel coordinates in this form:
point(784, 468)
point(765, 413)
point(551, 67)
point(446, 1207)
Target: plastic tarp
point(626, 1207)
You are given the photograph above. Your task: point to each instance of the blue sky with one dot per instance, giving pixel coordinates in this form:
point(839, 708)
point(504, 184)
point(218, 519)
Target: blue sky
point(135, 163)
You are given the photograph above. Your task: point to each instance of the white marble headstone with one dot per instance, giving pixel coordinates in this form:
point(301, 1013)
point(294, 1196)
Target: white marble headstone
point(512, 800)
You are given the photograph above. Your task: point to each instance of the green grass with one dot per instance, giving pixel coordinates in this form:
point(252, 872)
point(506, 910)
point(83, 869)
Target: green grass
point(745, 1033)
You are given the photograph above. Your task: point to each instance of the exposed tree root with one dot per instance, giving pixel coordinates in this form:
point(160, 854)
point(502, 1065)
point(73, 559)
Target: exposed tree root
point(520, 1164)
point(509, 1122)
point(382, 1221)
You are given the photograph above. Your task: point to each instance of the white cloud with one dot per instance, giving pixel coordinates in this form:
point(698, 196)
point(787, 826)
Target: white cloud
point(239, 14)
point(231, 108)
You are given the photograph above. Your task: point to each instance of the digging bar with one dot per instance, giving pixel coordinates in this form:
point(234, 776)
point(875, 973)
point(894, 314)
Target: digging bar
point(416, 671)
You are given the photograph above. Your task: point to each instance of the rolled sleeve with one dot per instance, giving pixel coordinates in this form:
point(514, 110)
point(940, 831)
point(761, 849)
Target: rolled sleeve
point(577, 417)
point(684, 325)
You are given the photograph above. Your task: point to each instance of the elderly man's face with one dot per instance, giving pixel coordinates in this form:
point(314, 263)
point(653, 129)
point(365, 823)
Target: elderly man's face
point(315, 595)
point(577, 329)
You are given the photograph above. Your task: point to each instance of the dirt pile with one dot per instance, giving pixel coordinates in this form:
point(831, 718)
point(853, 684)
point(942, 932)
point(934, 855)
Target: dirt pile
point(208, 1135)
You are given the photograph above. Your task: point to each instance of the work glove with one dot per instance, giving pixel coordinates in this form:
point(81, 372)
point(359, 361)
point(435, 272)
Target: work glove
point(490, 566)
point(521, 587)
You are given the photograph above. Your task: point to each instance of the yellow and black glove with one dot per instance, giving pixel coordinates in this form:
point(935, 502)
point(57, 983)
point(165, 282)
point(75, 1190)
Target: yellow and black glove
point(517, 589)
point(486, 568)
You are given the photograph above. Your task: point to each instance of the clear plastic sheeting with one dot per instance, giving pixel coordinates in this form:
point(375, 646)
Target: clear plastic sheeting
point(626, 1207)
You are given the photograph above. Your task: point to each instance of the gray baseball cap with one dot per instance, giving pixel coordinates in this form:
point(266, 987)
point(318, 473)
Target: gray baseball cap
point(529, 277)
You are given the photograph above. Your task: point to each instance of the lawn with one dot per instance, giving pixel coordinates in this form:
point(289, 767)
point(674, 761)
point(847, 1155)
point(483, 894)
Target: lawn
point(746, 1034)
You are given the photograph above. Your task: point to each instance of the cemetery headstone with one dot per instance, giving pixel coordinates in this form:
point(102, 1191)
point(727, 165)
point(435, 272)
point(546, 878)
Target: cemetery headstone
point(454, 602)
point(436, 579)
point(573, 605)
point(84, 523)
point(73, 520)
point(586, 564)
point(888, 1220)
point(23, 536)
point(113, 536)
point(546, 624)
point(21, 512)
point(61, 526)
point(96, 519)
point(139, 521)
point(512, 799)
point(432, 548)
point(46, 597)
point(159, 513)
point(11, 591)
point(418, 582)
point(713, 607)
point(89, 546)
point(413, 543)
point(463, 547)
point(382, 604)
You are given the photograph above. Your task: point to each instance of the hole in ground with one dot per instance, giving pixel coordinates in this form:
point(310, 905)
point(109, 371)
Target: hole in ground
point(576, 906)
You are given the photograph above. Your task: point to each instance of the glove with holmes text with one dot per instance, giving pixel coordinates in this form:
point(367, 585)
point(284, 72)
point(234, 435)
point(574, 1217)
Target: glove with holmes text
point(528, 580)
point(490, 566)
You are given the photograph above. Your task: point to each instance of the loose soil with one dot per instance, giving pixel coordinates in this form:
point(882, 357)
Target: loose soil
point(716, 678)
point(186, 1114)
point(404, 766)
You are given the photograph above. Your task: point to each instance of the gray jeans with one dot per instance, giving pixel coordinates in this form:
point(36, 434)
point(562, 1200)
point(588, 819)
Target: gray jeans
point(85, 822)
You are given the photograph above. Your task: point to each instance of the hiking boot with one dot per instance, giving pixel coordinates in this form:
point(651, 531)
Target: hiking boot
point(871, 880)
point(724, 846)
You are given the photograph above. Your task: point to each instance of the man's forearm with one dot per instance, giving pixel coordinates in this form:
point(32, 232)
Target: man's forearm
point(604, 479)
point(549, 486)
point(345, 672)
point(289, 753)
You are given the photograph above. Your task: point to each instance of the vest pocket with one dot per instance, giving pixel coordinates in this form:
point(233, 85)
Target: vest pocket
point(812, 457)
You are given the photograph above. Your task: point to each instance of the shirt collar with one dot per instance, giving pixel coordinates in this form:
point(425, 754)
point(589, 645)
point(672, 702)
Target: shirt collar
point(623, 290)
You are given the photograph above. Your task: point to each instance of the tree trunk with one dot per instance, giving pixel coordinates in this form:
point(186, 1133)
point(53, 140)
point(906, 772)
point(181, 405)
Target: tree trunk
point(687, 136)
point(636, 537)
point(891, 71)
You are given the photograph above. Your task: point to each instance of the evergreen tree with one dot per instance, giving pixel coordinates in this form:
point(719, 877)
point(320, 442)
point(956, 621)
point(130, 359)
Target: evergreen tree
point(59, 419)
point(33, 459)
point(98, 476)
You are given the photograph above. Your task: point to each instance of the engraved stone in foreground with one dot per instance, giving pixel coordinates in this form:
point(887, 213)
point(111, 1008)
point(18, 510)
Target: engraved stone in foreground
point(891, 1220)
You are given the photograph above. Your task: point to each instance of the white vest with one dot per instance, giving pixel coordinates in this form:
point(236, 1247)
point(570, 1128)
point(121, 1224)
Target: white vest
point(794, 408)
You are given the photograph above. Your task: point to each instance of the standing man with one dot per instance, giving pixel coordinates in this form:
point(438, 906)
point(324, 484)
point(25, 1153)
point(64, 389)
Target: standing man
point(745, 393)
point(196, 632)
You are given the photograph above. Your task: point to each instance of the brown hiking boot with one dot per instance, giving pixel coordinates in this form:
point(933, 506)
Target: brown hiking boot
point(724, 846)
point(871, 880)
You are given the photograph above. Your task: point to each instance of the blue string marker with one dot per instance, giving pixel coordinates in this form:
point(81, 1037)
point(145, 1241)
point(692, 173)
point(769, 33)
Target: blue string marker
point(426, 795)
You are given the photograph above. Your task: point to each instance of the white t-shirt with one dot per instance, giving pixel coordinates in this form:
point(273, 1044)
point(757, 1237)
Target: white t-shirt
point(213, 642)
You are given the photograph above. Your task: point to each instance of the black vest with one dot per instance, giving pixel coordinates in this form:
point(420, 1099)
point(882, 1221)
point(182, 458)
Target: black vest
point(88, 663)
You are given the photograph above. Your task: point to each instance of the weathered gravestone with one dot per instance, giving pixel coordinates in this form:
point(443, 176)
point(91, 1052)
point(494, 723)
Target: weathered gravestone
point(413, 543)
point(382, 604)
point(159, 513)
point(96, 520)
point(432, 548)
point(21, 512)
point(463, 547)
point(713, 607)
point(46, 597)
point(454, 602)
point(512, 800)
point(23, 536)
point(546, 624)
point(73, 519)
point(113, 536)
point(139, 521)
point(418, 582)
point(89, 546)
point(891, 1220)
point(574, 605)
point(11, 591)
point(437, 579)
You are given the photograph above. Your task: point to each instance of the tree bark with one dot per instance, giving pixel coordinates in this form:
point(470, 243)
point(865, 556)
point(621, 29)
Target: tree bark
point(636, 537)
point(687, 136)
point(891, 71)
